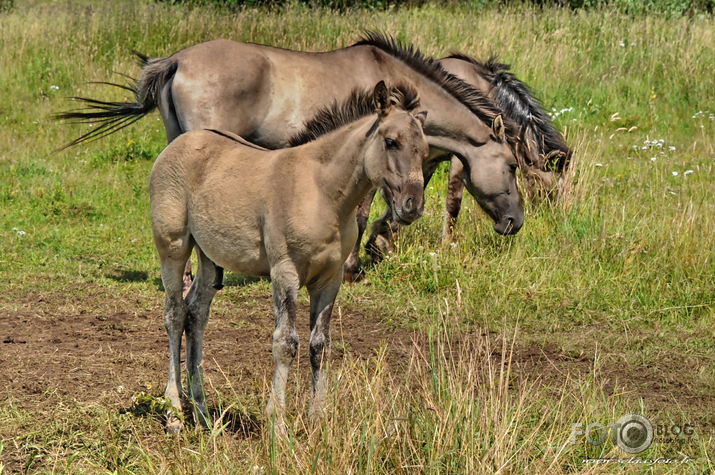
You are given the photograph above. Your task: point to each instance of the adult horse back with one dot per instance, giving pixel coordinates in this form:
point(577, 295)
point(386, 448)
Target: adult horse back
point(266, 95)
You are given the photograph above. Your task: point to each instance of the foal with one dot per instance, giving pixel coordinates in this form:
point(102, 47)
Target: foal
point(288, 214)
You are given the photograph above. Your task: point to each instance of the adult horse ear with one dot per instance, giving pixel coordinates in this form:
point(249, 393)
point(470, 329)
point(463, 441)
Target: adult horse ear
point(381, 98)
point(421, 117)
point(498, 128)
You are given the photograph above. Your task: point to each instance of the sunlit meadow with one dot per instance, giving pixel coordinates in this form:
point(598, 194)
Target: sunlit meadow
point(610, 290)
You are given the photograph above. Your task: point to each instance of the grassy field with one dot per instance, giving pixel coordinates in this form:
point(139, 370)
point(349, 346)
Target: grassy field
point(476, 357)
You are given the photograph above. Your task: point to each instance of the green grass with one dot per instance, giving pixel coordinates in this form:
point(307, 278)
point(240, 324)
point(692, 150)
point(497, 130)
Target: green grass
point(620, 272)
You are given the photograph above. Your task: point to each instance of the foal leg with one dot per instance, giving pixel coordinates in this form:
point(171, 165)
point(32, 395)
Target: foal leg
point(351, 269)
point(175, 312)
point(285, 338)
point(455, 189)
point(321, 307)
point(199, 303)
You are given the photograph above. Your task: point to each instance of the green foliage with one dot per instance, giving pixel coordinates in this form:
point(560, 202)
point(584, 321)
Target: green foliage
point(6, 5)
point(631, 7)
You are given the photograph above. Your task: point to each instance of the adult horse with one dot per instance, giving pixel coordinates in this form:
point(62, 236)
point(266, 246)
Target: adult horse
point(543, 155)
point(267, 94)
point(288, 214)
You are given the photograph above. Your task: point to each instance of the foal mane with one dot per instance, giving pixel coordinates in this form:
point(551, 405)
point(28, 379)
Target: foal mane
point(358, 105)
point(479, 104)
point(519, 104)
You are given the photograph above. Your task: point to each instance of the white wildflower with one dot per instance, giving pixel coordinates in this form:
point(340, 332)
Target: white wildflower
point(675, 173)
point(599, 164)
point(55, 87)
point(671, 148)
point(688, 172)
point(19, 232)
point(653, 159)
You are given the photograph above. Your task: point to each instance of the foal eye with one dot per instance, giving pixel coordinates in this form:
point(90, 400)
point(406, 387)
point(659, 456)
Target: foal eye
point(391, 144)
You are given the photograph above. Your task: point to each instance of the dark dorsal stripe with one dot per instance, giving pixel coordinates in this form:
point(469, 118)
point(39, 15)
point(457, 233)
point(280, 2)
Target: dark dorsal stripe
point(358, 105)
point(519, 104)
point(479, 104)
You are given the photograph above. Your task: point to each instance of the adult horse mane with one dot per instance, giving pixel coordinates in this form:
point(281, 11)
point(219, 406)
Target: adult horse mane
point(359, 104)
point(478, 103)
point(518, 103)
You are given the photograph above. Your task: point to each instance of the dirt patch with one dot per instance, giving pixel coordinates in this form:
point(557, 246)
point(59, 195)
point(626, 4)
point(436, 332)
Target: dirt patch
point(53, 345)
point(87, 345)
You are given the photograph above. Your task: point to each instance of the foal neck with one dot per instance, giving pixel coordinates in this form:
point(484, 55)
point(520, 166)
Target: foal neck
point(341, 173)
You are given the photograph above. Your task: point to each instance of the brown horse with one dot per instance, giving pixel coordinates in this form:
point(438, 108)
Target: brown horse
point(267, 94)
point(543, 155)
point(288, 214)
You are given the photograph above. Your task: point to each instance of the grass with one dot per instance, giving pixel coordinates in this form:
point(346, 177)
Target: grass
point(618, 276)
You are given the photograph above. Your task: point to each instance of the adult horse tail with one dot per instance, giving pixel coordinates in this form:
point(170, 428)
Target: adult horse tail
point(151, 88)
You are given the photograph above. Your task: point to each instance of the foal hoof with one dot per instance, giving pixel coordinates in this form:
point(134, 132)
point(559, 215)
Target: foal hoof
point(174, 425)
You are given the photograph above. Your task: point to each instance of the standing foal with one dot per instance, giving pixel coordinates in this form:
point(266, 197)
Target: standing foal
point(288, 214)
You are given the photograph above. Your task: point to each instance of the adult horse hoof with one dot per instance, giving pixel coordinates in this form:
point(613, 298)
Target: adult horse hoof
point(353, 276)
point(378, 247)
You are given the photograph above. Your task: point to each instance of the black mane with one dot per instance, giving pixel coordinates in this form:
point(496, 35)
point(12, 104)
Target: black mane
point(519, 104)
point(479, 104)
point(358, 105)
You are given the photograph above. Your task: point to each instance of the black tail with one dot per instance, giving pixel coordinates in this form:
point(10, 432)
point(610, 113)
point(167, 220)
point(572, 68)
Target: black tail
point(114, 116)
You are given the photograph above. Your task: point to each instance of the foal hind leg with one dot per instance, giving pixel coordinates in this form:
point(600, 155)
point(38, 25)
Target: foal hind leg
point(285, 338)
point(455, 189)
point(173, 253)
point(351, 269)
point(199, 303)
point(321, 307)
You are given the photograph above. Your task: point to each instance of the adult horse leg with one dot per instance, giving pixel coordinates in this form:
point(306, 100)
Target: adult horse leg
point(351, 269)
point(175, 312)
point(321, 307)
point(455, 189)
point(199, 303)
point(285, 338)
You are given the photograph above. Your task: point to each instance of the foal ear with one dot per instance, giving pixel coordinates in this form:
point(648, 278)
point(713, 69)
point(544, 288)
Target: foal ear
point(381, 98)
point(421, 117)
point(498, 128)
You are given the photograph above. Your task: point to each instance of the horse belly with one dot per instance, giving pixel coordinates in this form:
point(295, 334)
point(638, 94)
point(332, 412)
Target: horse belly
point(237, 248)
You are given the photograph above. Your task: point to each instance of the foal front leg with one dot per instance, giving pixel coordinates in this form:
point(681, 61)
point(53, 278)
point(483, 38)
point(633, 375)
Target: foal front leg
point(321, 307)
point(285, 338)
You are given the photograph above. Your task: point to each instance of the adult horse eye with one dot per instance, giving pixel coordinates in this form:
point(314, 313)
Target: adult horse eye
point(391, 144)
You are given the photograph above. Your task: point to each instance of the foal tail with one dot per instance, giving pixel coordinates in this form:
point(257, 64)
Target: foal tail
point(113, 116)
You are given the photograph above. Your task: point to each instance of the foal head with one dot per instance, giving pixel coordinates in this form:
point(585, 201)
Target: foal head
point(396, 150)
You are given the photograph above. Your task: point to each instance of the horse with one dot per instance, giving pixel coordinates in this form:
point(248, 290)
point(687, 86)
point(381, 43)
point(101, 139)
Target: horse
point(288, 214)
point(267, 94)
point(543, 155)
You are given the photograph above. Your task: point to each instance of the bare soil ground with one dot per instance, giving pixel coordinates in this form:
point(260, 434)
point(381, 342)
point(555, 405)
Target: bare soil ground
point(87, 345)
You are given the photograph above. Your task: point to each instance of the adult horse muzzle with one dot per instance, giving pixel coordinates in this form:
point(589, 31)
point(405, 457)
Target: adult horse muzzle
point(509, 224)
